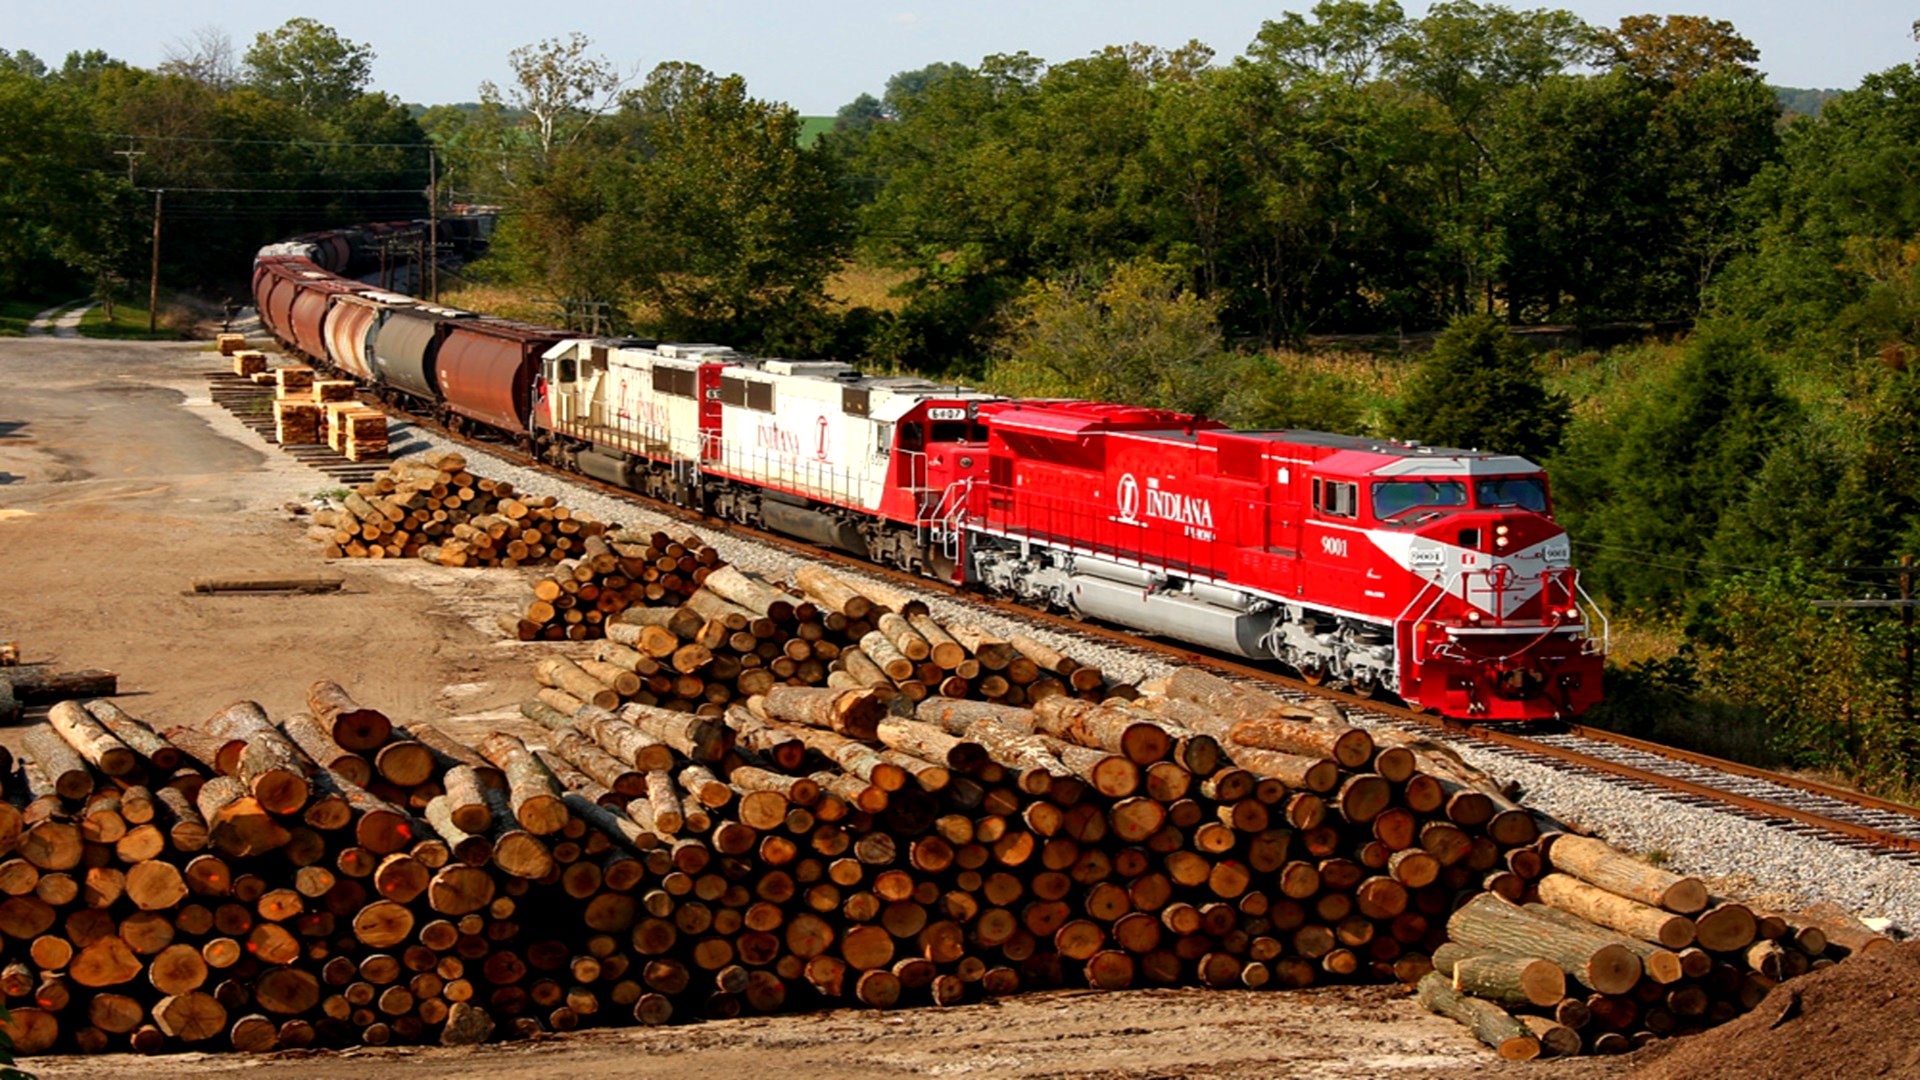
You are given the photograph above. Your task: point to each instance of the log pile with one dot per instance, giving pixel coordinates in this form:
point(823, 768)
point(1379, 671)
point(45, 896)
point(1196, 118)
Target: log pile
point(328, 878)
point(1600, 953)
point(434, 509)
point(614, 572)
point(733, 635)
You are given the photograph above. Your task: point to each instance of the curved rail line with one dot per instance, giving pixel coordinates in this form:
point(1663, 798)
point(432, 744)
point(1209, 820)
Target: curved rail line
point(1808, 807)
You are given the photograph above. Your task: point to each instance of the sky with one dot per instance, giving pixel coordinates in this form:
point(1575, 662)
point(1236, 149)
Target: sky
point(817, 55)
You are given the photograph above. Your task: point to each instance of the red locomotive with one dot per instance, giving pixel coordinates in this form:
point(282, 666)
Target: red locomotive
point(1435, 574)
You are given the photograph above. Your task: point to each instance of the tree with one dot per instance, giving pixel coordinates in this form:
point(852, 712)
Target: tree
point(1480, 388)
point(859, 114)
point(309, 65)
point(206, 56)
point(1674, 50)
point(560, 89)
point(1686, 455)
point(1139, 337)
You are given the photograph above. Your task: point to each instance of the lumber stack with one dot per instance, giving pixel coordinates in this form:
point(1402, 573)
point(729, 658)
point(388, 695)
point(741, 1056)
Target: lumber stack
point(329, 878)
point(229, 344)
point(293, 383)
point(614, 571)
point(328, 391)
point(736, 634)
point(296, 422)
point(248, 363)
point(434, 508)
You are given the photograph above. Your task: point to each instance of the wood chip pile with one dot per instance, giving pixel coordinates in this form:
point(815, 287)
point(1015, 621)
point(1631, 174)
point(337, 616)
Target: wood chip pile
point(435, 509)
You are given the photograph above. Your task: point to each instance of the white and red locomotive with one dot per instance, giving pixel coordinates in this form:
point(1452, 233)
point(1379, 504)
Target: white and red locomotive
point(1435, 574)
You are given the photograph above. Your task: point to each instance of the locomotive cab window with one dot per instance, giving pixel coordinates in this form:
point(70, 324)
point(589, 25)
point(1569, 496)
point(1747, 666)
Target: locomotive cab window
point(1523, 492)
point(913, 436)
point(1409, 502)
point(566, 370)
point(949, 431)
point(1336, 498)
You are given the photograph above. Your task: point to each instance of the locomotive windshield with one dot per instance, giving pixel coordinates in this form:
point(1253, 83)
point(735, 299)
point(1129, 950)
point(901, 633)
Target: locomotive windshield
point(1524, 492)
point(1400, 501)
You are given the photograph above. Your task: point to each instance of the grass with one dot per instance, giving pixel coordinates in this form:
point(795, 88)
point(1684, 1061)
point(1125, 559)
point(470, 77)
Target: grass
point(506, 301)
point(16, 314)
point(129, 323)
point(861, 285)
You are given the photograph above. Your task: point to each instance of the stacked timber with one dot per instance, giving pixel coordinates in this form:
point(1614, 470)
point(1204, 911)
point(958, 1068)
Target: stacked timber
point(735, 635)
point(328, 878)
point(433, 508)
point(292, 383)
point(248, 363)
point(229, 344)
point(614, 572)
point(296, 422)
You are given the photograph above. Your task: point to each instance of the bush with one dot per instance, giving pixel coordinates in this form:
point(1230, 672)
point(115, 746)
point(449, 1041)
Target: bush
point(1480, 388)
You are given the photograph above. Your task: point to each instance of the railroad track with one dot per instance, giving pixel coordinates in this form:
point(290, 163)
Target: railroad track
point(1793, 804)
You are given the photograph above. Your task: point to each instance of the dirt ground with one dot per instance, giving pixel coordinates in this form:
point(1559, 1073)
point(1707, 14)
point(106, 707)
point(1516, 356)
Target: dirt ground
point(121, 482)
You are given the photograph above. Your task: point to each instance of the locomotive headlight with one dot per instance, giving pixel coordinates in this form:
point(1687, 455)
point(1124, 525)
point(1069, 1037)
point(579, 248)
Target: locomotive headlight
point(1473, 616)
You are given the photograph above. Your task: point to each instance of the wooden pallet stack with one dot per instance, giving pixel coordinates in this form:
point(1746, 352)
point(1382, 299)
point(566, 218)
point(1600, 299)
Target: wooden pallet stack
point(433, 508)
point(325, 878)
point(615, 571)
point(737, 634)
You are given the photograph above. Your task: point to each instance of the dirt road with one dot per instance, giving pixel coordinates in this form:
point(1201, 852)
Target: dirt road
point(120, 482)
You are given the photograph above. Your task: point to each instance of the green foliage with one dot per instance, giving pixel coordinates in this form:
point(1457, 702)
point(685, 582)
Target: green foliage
point(1304, 398)
point(1820, 678)
point(308, 65)
point(1137, 337)
point(1480, 388)
point(1683, 457)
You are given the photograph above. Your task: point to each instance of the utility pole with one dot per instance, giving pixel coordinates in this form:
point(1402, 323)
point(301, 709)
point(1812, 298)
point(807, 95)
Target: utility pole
point(153, 276)
point(1906, 641)
point(130, 155)
point(433, 221)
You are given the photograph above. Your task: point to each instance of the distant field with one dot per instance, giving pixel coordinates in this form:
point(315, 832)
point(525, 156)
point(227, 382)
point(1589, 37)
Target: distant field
point(812, 127)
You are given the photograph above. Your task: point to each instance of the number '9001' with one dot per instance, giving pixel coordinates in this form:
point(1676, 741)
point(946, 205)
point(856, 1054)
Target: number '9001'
point(1335, 546)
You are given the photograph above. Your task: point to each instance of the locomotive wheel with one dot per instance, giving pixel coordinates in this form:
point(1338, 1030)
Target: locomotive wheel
point(1313, 671)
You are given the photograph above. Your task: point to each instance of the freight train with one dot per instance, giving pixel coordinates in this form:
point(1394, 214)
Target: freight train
point(1435, 574)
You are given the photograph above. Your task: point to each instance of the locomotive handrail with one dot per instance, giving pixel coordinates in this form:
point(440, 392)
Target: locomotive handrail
point(1606, 625)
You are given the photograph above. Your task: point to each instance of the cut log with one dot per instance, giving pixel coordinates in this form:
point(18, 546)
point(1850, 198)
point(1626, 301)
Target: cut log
point(143, 739)
point(532, 792)
point(1351, 747)
point(1615, 912)
point(274, 770)
point(1510, 980)
point(39, 685)
point(1489, 1023)
point(61, 766)
point(1491, 924)
point(702, 739)
point(833, 593)
point(854, 714)
point(352, 726)
point(314, 741)
point(1599, 863)
point(91, 740)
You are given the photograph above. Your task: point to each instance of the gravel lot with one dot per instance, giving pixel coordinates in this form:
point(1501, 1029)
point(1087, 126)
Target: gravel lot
point(1737, 856)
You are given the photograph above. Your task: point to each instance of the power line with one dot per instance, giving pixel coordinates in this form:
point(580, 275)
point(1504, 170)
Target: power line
point(293, 191)
point(265, 142)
